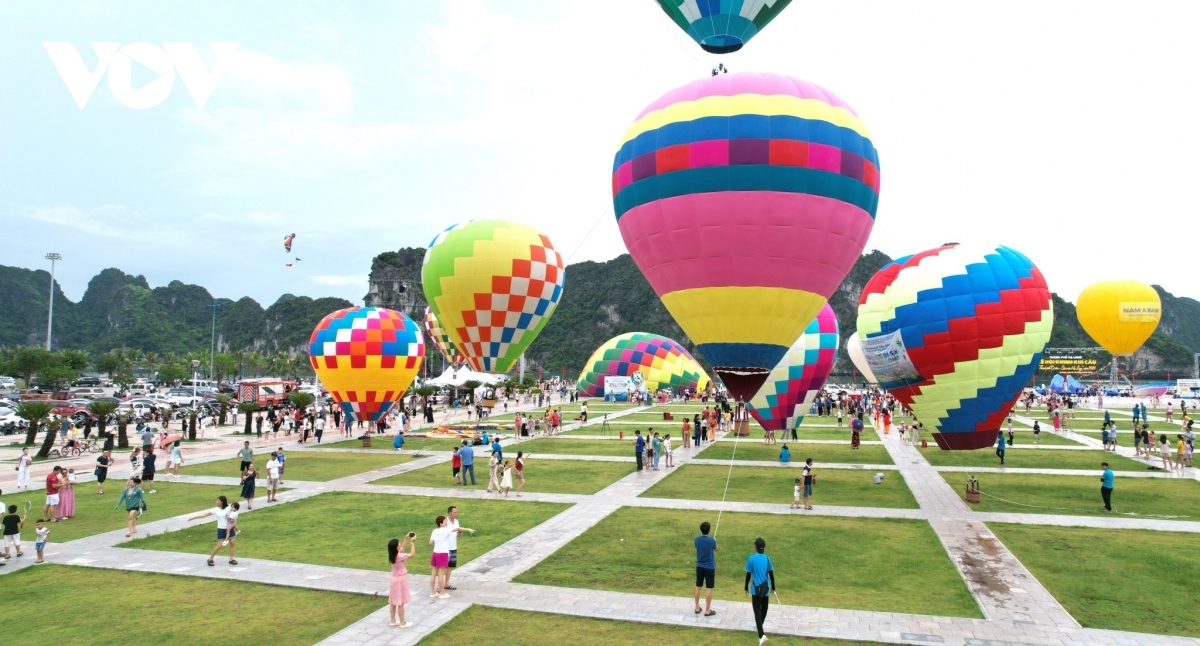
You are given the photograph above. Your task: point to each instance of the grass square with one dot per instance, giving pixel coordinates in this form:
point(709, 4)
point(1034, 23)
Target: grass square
point(306, 466)
point(1031, 493)
point(857, 563)
point(851, 487)
point(352, 529)
point(1117, 579)
point(556, 476)
point(477, 626)
point(1022, 456)
point(551, 446)
point(839, 453)
point(39, 600)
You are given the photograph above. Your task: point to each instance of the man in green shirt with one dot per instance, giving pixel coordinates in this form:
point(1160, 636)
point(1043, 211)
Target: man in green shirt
point(657, 443)
point(247, 455)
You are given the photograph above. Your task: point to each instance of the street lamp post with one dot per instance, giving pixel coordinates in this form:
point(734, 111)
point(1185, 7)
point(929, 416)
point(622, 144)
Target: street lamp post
point(52, 257)
point(212, 346)
point(195, 376)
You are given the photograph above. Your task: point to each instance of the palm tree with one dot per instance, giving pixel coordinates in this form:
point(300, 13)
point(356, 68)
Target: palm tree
point(301, 400)
point(52, 427)
point(223, 401)
point(102, 409)
point(33, 412)
point(248, 409)
point(191, 421)
point(122, 435)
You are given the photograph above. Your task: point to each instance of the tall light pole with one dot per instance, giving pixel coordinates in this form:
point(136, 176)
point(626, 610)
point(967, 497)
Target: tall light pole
point(212, 347)
point(52, 257)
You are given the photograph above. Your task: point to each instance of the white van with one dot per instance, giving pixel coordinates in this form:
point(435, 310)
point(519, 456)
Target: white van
point(200, 383)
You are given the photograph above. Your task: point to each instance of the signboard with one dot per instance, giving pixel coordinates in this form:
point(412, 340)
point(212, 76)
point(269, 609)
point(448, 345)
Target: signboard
point(1139, 312)
point(1188, 388)
point(1068, 362)
point(616, 388)
point(889, 360)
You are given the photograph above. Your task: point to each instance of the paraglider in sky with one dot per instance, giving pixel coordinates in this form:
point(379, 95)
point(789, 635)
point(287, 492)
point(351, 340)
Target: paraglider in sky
point(493, 285)
point(745, 199)
point(366, 357)
point(721, 26)
point(855, 352)
point(440, 339)
point(1120, 315)
point(954, 333)
point(662, 362)
point(795, 381)
point(287, 242)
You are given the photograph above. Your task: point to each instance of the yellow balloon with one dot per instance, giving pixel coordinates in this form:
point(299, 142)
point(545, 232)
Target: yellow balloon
point(1120, 315)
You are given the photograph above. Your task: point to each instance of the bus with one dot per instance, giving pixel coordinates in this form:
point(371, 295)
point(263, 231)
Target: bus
point(267, 391)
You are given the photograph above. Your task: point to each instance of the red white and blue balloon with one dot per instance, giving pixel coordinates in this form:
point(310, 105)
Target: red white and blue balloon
point(793, 384)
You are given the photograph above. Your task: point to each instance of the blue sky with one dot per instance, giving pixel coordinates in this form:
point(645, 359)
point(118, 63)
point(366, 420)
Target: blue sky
point(1063, 129)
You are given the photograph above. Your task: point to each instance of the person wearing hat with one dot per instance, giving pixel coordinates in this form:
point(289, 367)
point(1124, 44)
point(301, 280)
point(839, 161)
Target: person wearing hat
point(760, 581)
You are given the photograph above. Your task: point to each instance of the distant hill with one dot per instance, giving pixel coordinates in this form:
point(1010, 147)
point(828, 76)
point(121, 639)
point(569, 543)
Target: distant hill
point(120, 310)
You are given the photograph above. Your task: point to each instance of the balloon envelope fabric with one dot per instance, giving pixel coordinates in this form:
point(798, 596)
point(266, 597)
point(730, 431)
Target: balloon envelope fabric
point(722, 26)
point(745, 199)
point(795, 381)
point(367, 357)
point(493, 285)
point(855, 352)
point(955, 333)
point(663, 362)
point(1120, 315)
point(440, 339)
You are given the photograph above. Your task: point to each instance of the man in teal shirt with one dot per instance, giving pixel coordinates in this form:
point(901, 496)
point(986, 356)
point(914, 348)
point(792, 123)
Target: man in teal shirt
point(1106, 487)
point(760, 581)
point(1000, 448)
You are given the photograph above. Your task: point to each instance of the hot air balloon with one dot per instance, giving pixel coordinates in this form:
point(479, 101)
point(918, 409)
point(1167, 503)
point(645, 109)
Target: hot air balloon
point(662, 362)
point(367, 357)
point(745, 199)
point(440, 339)
point(855, 352)
point(795, 381)
point(1120, 315)
point(721, 26)
point(493, 285)
point(955, 333)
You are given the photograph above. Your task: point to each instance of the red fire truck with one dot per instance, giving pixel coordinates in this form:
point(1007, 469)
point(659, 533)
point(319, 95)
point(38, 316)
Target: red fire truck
point(266, 391)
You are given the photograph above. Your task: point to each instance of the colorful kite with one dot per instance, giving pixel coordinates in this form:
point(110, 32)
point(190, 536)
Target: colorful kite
point(366, 357)
point(1120, 315)
point(745, 199)
point(795, 381)
point(955, 333)
point(662, 362)
point(440, 339)
point(722, 26)
point(493, 285)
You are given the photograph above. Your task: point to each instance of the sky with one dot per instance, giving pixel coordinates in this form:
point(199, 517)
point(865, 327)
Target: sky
point(1064, 129)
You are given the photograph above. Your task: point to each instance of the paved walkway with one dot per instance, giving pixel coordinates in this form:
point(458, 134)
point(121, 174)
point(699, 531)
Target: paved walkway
point(1017, 608)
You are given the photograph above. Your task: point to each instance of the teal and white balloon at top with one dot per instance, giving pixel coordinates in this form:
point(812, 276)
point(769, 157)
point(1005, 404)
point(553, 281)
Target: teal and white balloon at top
point(722, 26)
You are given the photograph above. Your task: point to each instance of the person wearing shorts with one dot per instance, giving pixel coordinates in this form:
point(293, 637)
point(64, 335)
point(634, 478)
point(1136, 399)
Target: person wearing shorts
point(53, 484)
point(706, 568)
point(247, 456)
point(12, 531)
point(455, 464)
point(272, 477)
point(809, 478)
point(439, 561)
point(452, 562)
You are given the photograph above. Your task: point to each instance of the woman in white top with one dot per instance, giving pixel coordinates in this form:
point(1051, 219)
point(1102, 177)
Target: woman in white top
point(439, 562)
point(23, 463)
point(221, 511)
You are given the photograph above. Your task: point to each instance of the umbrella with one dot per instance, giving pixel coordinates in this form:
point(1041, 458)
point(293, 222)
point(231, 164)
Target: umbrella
point(169, 440)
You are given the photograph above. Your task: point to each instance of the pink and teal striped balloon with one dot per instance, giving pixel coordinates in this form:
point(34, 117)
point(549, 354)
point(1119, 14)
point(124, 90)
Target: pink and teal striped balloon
point(794, 383)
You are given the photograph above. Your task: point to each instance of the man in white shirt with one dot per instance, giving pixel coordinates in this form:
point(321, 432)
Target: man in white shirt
point(452, 523)
point(272, 476)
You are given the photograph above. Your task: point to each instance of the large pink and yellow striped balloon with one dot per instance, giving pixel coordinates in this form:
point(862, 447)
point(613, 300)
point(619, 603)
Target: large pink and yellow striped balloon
point(745, 200)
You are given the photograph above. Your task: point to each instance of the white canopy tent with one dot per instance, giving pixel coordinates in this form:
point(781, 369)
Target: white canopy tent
point(460, 376)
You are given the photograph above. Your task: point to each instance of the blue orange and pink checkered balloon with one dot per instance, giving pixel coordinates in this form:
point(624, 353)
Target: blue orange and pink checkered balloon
point(793, 384)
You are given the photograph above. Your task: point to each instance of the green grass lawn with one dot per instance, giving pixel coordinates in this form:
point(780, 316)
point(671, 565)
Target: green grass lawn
point(302, 465)
point(95, 514)
point(385, 444)
point(866, 454)
point(53, 604)
point(622, 448)
point(477, 626)
point(863, 564)
point(1024, 437)
point(352, 529)
point(1023, 457)
point(1080, 495)
point(557, 476)
point(1119, 579)
point(774, 485)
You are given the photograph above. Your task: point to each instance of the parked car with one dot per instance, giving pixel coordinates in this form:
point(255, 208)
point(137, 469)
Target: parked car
point(7, 382)
point(78, 414)
point(184, 397)
point(90, 392)
point(87, 381)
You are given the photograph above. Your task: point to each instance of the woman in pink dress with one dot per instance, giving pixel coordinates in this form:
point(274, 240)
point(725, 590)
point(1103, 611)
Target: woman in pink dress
point(398, 594)
point(66, 496)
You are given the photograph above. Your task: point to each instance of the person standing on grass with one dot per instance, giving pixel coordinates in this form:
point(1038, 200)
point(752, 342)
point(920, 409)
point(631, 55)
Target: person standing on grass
point(506, 478)
point(272, 477)
point(455, 464)
point(12, 531)
point(687, 433)
point(1180, 445)
point(657, 445)
point(856, 428)
point(760, 582)
point(221, 512)
point(519, 467)
point(1170, 412)
point(42, 535)
point(282, 463)
point(809, 479)
point(319, 428)
point(134, 499)
point(639, 447)
point(494, 472)
point(148, 468)
point(249, 480)
point(53, 485)
point(466, 458)
point(246, 455)
point(439, 561)
point(452, 523)
point(706, 568)
point(1164, 451)
point(667, 448)
point(1106, 487)
point(398, 592)
point(101, 471)
point(1000, 445)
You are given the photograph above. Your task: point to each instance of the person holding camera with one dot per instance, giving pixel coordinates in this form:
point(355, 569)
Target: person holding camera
point(398, 592)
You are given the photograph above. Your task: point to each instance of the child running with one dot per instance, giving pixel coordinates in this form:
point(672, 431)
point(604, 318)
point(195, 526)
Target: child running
point(135, 500)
